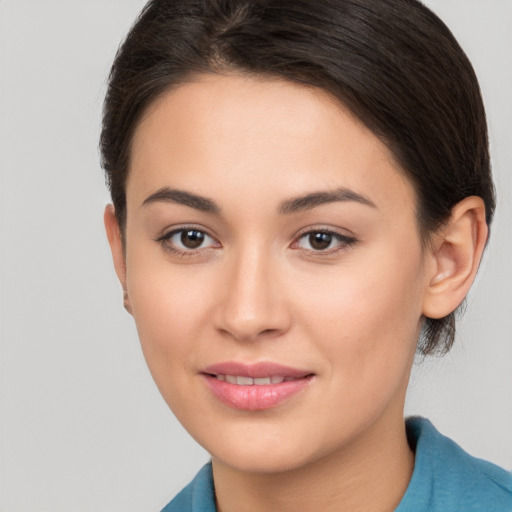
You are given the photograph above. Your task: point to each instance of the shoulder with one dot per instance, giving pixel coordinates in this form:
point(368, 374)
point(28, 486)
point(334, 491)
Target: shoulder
point(197, 496)
point(445, 477)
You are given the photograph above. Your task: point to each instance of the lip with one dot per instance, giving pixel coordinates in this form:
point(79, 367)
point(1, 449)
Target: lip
point(256, 370)
point(255, 397)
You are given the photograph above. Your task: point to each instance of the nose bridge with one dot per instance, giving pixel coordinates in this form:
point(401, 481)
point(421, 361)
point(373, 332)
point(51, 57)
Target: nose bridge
point(253, 304)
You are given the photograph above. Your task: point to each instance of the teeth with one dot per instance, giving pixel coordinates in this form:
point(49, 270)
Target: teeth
point(263, 381)
point(244, 381)
point(249, 381)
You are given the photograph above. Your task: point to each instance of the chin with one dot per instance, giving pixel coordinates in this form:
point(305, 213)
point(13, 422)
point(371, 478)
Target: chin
point(265, 452)
point(260, 461)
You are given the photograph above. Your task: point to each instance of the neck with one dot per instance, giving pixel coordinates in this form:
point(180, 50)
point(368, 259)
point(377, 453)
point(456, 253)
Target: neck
point(371, 474)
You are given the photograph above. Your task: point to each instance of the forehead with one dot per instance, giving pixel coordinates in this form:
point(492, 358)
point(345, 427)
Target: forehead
point(262, 135)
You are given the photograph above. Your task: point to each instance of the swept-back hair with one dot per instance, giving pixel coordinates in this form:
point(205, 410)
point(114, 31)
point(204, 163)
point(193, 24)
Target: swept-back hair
point(393, 63)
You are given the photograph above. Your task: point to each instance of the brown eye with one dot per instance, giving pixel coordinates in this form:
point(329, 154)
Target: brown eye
point(320, 241)
point(323, 241)
point(192, 239)
point(187, 241)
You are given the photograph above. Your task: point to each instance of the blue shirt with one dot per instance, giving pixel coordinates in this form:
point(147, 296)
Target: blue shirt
point(445, 479)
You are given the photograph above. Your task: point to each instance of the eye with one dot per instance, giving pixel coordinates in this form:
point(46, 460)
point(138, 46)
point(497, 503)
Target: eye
point(323, 241)
point(187, 240)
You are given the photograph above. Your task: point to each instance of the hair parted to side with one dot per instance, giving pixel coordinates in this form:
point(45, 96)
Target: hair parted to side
point(393, 63)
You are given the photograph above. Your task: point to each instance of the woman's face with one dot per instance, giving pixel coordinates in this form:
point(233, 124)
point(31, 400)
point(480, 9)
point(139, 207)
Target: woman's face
point(273, 268)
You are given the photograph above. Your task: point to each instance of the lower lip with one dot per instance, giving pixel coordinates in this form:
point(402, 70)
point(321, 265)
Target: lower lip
point(254, 397)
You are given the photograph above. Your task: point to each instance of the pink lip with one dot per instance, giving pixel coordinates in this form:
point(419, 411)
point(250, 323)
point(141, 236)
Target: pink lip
point(257, 370)
point(255, 397)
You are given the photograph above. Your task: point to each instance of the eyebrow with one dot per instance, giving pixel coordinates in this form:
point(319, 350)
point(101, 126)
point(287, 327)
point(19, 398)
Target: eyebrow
point(315, 199)
point(170, 195)
point(296, 204)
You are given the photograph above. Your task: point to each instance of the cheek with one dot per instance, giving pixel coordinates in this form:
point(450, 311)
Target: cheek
point(367, 316)
point(169, 306)
point(365, 324)
point(170, 312)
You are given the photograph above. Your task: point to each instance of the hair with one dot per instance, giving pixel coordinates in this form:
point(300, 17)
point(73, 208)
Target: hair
point(394, 64)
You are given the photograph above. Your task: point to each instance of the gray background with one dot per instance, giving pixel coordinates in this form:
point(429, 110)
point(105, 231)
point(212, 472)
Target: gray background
point(82, 425)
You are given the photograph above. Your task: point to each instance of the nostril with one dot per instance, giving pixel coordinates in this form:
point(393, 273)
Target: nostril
point(269, 332)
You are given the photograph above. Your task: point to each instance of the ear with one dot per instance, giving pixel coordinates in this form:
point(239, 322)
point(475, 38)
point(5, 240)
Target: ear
point(116, 246)
point(457, 251)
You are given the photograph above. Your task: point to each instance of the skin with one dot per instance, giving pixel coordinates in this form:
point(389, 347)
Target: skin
point(258, 290)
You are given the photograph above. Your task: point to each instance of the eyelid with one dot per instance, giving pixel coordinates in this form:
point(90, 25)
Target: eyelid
point(344, 240)
point(164, 240)
point(170, 230)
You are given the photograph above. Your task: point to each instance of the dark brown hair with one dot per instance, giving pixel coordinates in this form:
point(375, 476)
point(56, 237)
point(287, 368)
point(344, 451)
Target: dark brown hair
point(393, 63)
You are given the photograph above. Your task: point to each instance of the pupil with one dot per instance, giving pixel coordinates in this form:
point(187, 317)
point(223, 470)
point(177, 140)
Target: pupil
point(192, 239)
point(320, 241)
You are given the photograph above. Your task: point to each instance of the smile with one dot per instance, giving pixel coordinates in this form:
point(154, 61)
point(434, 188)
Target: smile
point(255, 387)
point(249, 381)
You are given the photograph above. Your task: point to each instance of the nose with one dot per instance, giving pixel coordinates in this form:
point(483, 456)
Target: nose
point(253, 304)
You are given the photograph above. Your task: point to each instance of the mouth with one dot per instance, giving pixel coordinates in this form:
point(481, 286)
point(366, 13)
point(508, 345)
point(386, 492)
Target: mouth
point(242, 380)
point(255, 387)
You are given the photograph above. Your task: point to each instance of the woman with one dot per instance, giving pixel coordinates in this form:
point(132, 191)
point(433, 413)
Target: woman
point(301, 199)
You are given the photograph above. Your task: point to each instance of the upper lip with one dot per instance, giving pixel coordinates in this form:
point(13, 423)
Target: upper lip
point(255, 370)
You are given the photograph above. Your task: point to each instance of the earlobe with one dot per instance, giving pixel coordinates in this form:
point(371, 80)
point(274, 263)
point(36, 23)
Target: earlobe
point(116, 246)
point(457, 251)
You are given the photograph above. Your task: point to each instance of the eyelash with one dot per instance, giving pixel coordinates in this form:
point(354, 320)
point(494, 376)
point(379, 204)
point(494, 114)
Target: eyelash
point(165, 241)
point(343, 241)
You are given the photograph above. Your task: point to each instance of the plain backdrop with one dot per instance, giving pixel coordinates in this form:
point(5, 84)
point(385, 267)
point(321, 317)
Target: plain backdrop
point(82, 425)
